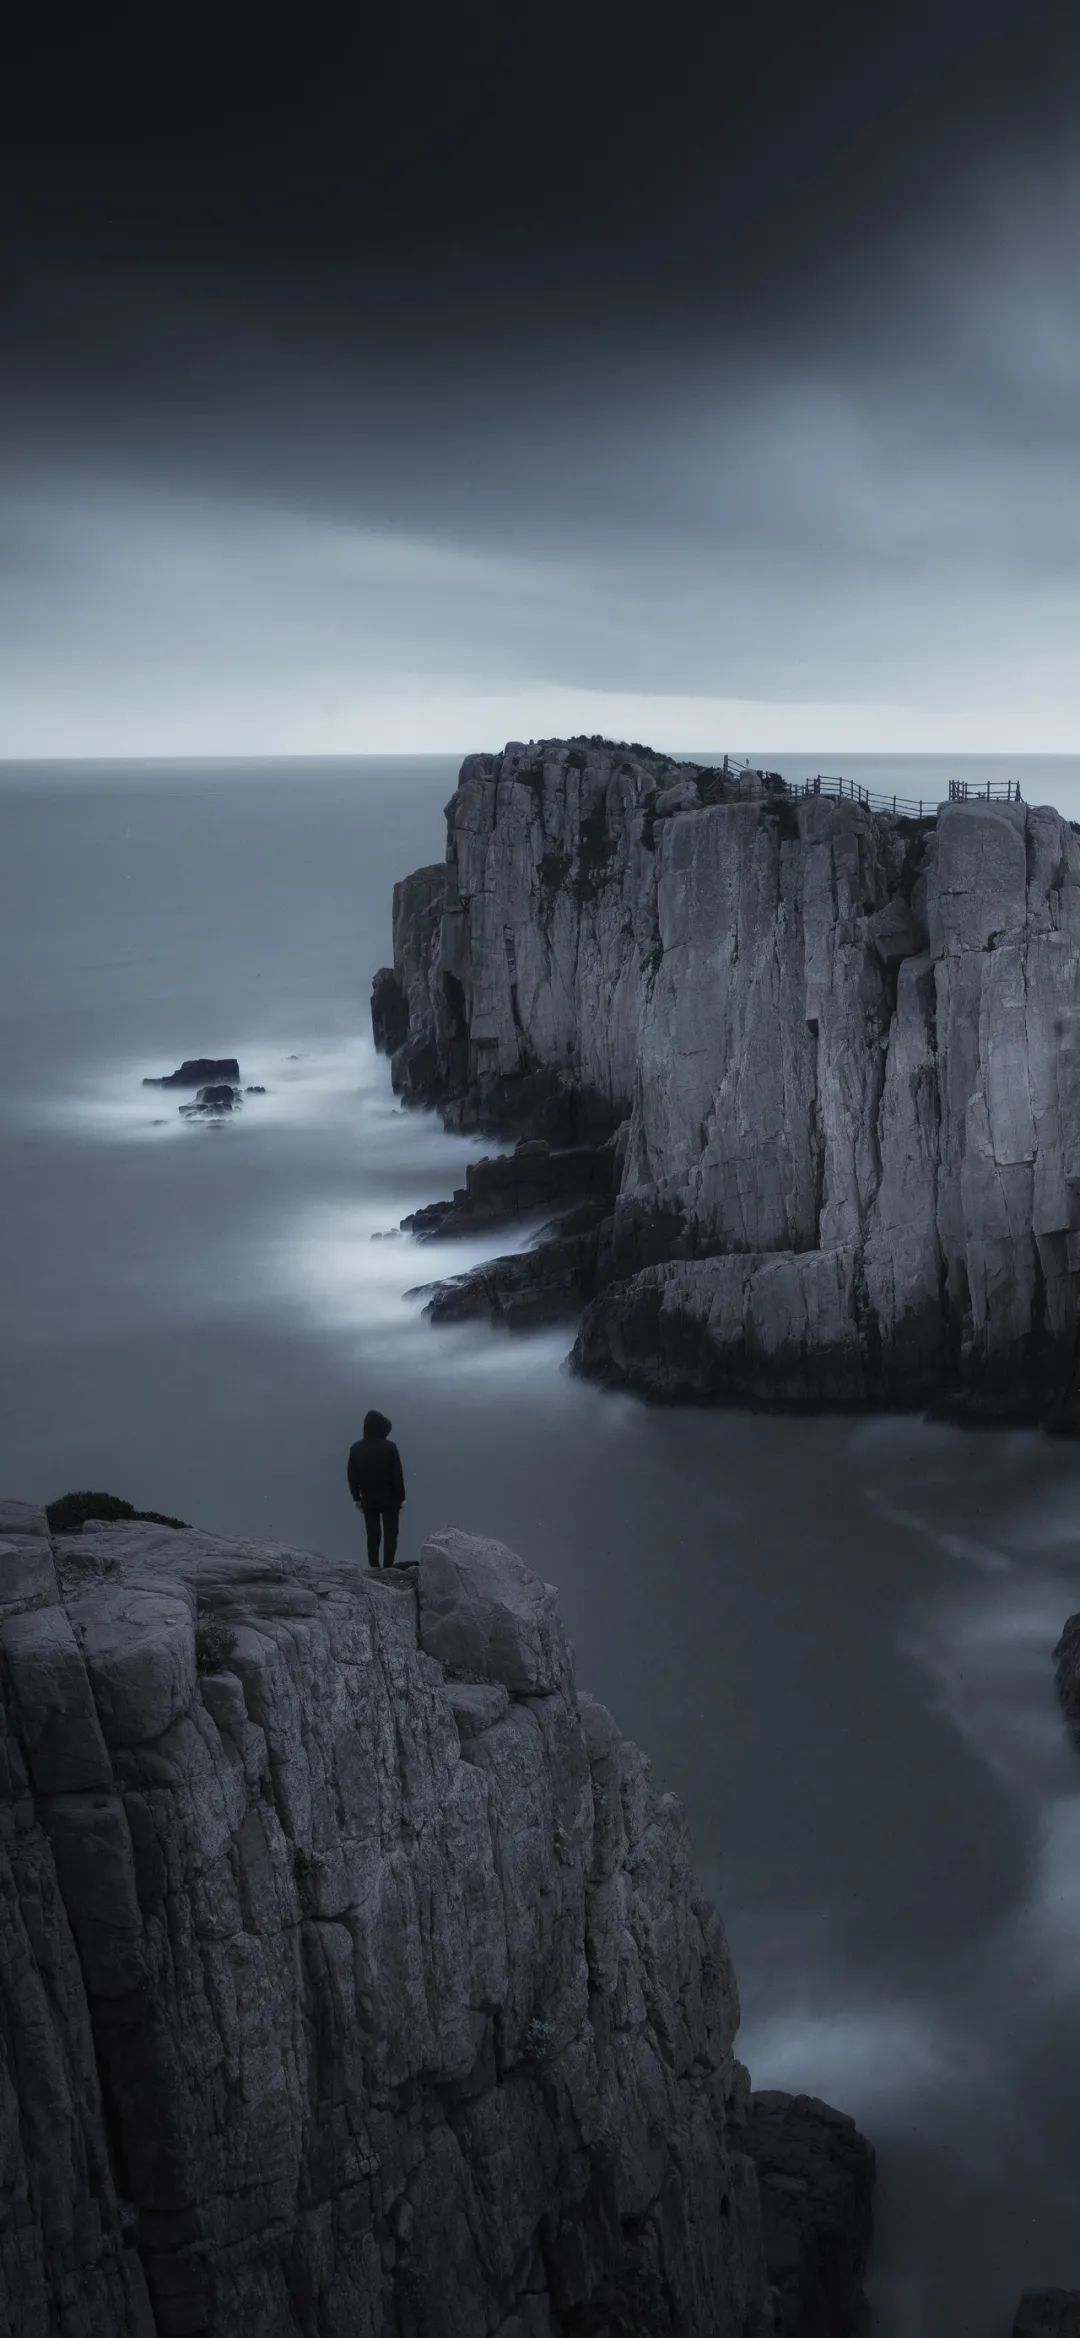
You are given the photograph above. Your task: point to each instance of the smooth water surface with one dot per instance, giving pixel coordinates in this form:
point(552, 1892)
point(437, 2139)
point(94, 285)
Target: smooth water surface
point(833, 1637)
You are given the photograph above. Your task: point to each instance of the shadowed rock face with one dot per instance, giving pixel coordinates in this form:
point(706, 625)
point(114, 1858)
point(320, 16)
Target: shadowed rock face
point(816, 2181)
point(362, 1984)
point(1067, 1675)
point(1048, 2313)
point(844, 1050)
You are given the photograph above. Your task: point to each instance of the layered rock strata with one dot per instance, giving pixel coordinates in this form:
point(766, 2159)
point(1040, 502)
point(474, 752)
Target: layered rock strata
point(355, 1977)
point(841, 1048)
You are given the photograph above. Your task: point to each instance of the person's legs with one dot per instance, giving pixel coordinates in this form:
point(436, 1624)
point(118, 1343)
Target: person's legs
point(372, 1523)
point(390, 1533)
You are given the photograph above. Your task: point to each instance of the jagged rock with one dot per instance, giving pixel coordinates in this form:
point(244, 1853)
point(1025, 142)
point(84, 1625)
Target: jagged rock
point(214, 1100)
point(846, 1047)
point(515, 1185)
point(816, 2180)
point(337, 1993)
point(255, 1091)
point(528, 1288)
point(197, 1071)
point(1048, 2313)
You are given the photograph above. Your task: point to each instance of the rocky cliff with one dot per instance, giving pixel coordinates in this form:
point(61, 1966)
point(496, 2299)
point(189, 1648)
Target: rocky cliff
point(354, 1974)
point(837, 1053)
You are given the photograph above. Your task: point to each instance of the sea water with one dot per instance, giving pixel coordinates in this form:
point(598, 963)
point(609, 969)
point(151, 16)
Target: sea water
point(833, 1637)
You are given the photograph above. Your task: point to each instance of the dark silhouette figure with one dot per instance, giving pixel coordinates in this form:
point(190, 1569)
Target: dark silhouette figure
point(377, 1486)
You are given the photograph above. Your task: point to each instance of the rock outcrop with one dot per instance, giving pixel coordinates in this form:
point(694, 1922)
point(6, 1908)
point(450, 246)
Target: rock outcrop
point(516, 1185)
point(355, 1977)
point(198, 1071)
point(211, 1102)
point(816, 2180)
point(841, 1049)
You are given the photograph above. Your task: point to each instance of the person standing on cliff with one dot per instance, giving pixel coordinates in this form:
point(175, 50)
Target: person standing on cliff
point(377, 1486)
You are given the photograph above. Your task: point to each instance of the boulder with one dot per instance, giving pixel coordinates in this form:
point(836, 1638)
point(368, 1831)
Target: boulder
point(683, 796)
point(487, 1617)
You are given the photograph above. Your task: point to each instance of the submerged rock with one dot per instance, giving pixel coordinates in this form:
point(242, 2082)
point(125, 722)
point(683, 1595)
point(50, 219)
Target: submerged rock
point(359, 1976)
point(199, 1070)
point(843, 1049)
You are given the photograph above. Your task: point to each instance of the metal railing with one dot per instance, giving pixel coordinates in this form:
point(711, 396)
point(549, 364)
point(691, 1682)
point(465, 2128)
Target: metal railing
point(986, 791)
point(824, 783)
point(828, 783)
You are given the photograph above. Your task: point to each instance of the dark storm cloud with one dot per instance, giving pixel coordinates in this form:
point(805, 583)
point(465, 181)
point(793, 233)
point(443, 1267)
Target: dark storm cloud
point(751, 392)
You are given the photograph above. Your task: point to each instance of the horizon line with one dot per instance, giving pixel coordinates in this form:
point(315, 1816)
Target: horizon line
point(439, 754)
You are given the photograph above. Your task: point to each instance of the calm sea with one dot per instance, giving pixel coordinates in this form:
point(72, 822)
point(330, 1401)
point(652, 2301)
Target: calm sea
point(833, 1637)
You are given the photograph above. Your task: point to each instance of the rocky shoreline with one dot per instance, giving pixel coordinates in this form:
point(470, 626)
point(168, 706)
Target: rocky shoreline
point(834, 1053)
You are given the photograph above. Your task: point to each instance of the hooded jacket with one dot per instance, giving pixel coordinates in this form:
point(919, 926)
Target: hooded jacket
point(376, 1479)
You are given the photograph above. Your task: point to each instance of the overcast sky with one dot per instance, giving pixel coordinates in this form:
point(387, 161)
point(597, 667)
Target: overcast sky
point(525, 373)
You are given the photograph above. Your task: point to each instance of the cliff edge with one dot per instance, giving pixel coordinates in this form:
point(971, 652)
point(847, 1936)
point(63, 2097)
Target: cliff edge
point(354, 1974)
point(836, 1054)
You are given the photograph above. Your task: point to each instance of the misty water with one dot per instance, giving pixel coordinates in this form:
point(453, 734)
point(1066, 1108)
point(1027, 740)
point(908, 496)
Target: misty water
point(832, 1637)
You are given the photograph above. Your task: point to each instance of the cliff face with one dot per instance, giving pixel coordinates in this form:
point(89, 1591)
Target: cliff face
point(354, 1974)
point(843, 1048)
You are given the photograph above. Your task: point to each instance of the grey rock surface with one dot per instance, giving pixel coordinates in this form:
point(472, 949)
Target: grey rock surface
point(843, 1050)
point(1048, 2313)
point(338, 1994)
point(816, 2181)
